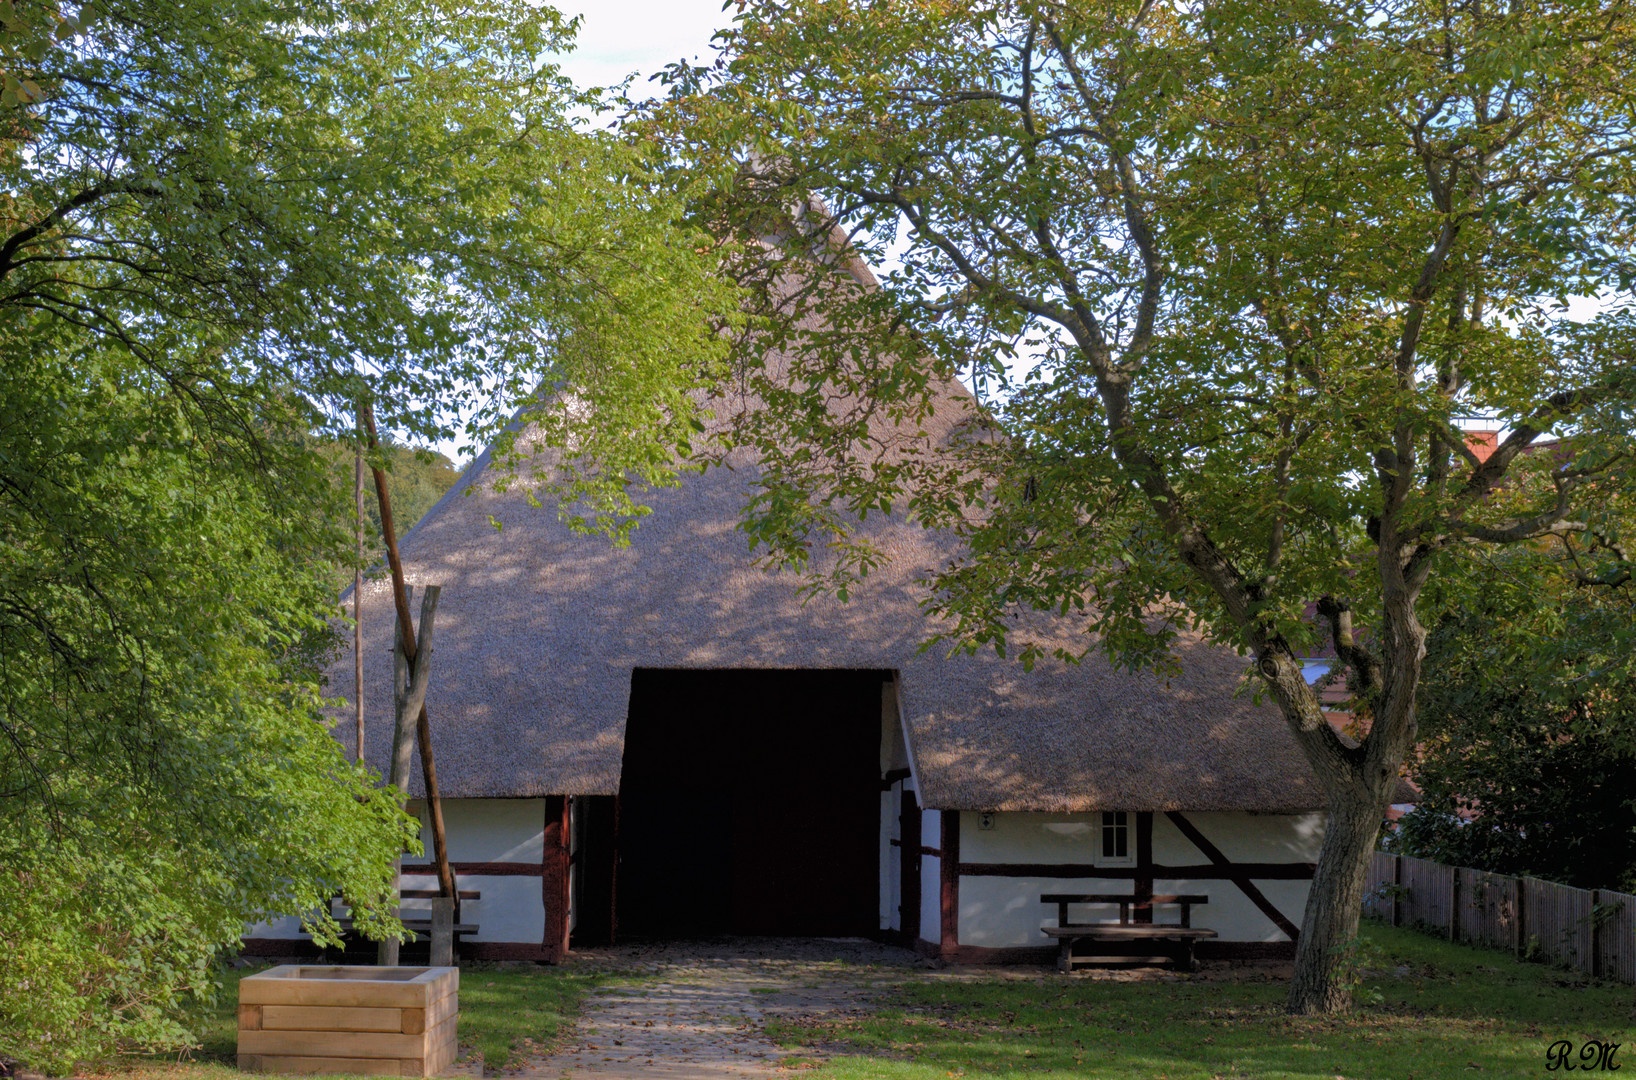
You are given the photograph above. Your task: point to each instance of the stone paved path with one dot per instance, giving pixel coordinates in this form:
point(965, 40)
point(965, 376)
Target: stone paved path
point(695, 1011)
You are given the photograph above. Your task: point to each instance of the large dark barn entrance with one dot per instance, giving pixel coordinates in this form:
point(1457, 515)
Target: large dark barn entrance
point(750, 803)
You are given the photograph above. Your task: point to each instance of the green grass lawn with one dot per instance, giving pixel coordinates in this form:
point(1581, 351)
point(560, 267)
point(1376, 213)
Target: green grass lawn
point(503, 1011)
point(1428, 1010)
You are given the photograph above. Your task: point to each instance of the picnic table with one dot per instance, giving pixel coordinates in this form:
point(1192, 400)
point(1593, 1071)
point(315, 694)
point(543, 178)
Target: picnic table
point(1177, 938)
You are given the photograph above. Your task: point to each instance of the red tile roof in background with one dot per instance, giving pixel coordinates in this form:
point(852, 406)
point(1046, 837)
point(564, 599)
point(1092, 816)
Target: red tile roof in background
point(1482, 443)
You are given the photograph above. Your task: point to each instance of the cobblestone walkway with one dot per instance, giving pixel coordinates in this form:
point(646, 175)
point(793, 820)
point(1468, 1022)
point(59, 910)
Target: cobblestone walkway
point(695, 1011)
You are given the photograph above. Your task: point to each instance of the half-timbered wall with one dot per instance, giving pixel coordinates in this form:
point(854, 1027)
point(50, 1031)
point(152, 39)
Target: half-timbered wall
point(897, 788)
point(1255, 868)
point(498, 848)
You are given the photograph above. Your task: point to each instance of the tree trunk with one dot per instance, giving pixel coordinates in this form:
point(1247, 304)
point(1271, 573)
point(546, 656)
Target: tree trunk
point(357, 596)
point(1323, 982)
point(1360, 781)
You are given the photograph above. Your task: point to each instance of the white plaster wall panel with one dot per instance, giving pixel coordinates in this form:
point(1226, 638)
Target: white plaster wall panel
point(1230, 913)
point(931, 900)
point(1241, 836)
point(511, 909)
point(1033, 838)
point(288, 927)
point(1003, 912)
point(894, 751)
point(494, 830)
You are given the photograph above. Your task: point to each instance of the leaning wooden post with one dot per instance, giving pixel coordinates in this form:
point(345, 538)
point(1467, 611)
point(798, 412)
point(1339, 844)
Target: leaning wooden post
point(400, 597)
point(386, 952)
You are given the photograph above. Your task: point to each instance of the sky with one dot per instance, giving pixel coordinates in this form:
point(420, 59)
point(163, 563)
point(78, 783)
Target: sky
point(618, 37)
point(621, 37)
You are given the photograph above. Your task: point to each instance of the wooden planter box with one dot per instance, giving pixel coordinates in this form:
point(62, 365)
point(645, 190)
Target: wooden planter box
point(387, 1021)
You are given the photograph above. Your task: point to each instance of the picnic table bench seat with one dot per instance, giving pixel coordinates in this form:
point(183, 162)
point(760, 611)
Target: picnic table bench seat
point(422, 927)
point(1179, 937)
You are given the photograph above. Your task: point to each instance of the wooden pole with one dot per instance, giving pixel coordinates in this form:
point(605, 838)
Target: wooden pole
point(357, 595)
point(400, 598)
point(408, 699)
point(397, 774)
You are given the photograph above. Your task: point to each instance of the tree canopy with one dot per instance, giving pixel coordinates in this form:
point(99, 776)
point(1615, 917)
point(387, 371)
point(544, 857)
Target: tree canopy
point(1236, 273)
point(417, 479)
point(166, 774)
point(223, 229)
point(1527, 741)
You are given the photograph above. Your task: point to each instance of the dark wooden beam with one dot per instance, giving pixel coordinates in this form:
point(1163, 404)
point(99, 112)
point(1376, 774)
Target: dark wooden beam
point(909, 877)
point(1245, 885)
point(948, 873)
point(1202, 871)
point(892, 777)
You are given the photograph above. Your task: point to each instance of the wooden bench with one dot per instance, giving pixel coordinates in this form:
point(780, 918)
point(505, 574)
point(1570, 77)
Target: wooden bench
point(1180, 937)
point(422, 928)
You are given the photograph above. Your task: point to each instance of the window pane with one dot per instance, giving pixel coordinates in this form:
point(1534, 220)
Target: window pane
point(1115, 835)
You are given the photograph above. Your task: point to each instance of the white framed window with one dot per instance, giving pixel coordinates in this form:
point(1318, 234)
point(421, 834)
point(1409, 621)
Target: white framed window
point(1114, 844)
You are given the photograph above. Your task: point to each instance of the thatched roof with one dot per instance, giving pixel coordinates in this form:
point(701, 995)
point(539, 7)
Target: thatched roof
point(539, 629)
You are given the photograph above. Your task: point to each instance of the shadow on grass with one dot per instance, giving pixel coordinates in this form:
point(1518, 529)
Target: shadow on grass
point(1428, 1010)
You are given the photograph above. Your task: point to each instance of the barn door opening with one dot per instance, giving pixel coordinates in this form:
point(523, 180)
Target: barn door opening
point(750, 803)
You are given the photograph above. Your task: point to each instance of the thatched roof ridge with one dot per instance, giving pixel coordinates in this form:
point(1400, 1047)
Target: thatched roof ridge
point(539, 629)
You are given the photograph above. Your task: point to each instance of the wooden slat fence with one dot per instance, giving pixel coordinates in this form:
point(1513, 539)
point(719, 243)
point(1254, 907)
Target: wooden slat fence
point(1617, 959)
point(1591, 930)
point(1428, 896)
point(1559, 918)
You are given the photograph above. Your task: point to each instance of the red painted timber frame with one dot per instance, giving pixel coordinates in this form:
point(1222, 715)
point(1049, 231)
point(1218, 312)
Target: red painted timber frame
point(554, 863)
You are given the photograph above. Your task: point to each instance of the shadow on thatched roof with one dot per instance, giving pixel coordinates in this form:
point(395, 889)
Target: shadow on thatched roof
point(539, 629)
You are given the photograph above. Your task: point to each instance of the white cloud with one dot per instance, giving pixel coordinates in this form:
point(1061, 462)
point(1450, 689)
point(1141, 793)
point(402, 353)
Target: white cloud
point(619, 37)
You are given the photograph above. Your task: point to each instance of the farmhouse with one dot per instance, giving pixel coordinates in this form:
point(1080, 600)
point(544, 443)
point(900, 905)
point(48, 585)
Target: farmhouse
point(663, 740)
